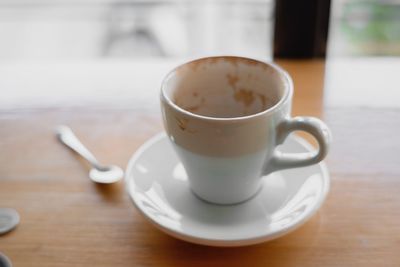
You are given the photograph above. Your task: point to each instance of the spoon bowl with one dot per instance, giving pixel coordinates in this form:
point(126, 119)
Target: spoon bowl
point(106, 175)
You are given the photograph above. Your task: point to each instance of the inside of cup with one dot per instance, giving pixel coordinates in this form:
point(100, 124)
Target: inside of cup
point(225, 87)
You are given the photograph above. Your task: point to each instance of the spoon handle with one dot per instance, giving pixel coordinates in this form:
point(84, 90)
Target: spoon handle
point(68, 138)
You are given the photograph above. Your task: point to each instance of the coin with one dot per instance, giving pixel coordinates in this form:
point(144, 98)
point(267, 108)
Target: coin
point(4, 261)
point(9, 219)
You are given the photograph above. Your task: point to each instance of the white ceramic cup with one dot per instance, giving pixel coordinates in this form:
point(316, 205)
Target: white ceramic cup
point(225, 116)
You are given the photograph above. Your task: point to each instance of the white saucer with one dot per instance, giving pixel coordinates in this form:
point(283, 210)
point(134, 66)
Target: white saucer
point(158, 186)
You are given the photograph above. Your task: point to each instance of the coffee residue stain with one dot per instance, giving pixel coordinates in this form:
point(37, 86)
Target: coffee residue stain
point(213, 60)
point(244, 96)
point(232, 80)
point(232, 60)
point(195, 64)
point(193, 108)
point(250, 62)
point(182, 123)
point(255, 63)
point(176, 101)
point(182, 70)
point(264, 100)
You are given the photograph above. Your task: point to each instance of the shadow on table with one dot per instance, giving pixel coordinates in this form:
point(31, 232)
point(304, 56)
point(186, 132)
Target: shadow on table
point(285, 251)
point(110, 192)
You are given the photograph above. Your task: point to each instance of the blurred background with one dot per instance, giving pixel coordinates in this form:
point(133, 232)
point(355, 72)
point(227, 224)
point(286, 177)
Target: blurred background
point(60, 53)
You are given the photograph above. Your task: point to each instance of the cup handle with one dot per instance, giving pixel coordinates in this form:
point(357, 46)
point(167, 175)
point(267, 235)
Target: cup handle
point(311, 125)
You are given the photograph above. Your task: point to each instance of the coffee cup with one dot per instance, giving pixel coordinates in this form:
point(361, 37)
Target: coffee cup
point(225, 117)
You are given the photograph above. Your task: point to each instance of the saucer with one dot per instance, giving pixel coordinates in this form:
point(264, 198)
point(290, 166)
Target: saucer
point(158, 186)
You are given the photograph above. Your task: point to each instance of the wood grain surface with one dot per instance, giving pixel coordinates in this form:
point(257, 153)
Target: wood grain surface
point(67, 220)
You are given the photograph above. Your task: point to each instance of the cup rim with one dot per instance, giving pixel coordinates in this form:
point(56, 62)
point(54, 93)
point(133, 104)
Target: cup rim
point(287, 94)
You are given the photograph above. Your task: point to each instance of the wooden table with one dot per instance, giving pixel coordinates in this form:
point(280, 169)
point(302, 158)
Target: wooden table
point(67, 220)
